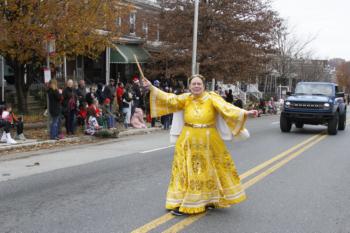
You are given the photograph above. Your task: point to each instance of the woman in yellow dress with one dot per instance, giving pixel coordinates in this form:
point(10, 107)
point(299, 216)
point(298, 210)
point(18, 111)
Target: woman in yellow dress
point(203, 172)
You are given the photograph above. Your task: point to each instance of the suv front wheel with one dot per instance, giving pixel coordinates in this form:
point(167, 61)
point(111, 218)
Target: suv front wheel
point(285, 124)
point(342, 121)
point(333, 124)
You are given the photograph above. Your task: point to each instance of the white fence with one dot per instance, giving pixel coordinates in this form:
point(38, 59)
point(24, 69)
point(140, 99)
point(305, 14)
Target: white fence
point(236, 91)
point(253, 90)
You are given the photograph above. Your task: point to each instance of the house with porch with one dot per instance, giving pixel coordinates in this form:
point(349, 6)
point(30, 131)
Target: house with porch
point(118, 62)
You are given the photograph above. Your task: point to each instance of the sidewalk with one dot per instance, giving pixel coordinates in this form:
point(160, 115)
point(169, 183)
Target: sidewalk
point(37, 144)
point(31, 144)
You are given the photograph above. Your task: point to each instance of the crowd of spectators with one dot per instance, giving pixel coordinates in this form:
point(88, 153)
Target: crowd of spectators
point(102, 107)
point(99, 106)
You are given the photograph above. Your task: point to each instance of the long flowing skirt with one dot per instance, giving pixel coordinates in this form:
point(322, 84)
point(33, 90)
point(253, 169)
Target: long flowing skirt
point(203, 173)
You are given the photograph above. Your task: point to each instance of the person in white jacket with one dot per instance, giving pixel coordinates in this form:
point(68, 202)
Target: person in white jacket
point(5, 122)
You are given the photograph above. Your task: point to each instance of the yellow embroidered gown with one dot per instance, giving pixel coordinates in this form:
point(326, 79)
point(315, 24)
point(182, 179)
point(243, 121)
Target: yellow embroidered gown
point(203, 172)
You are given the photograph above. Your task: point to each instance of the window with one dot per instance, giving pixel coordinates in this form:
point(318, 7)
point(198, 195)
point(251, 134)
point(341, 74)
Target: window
point(132, 22)
point(314, 89)
point(158, 32)
point(118, 22)
point(145, 29)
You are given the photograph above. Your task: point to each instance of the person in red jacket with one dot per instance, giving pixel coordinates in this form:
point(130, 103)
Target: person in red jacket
point(82, 114)
point(119, 94)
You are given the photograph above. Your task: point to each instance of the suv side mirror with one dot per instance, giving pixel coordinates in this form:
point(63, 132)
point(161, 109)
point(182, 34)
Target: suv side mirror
point(289, 93)
point(340, 94)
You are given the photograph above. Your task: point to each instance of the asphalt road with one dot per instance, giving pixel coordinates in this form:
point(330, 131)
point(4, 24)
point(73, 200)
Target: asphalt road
point(121, 186)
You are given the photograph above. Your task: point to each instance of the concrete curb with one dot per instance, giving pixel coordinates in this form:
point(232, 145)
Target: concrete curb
point(130, 132)
point(35, 125)
point(5, 147)
point(138, 131)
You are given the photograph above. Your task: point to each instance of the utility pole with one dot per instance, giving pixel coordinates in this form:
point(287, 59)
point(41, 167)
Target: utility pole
point(108, 60)
point(195, 33)
point(65, 68)
point(2, 78)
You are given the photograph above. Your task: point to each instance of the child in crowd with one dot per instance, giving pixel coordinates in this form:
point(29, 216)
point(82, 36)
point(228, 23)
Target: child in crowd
point(137, 119)
point(15, 122)
point(96, 107)
point(98, 114)
point(5, 125)
point(108, 116)
point(92, 125)
point(82, 114)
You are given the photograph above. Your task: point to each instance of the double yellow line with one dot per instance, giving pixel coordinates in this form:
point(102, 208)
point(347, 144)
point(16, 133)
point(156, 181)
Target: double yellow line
point(274, 164)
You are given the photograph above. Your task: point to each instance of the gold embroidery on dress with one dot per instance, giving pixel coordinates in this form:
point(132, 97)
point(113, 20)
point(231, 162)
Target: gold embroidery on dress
point(203, 171)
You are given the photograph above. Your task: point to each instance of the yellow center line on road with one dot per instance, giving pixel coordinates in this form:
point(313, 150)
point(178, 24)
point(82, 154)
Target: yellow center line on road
point(153, 224)
point(184, 223)
point(278, 157)
point(280, 164)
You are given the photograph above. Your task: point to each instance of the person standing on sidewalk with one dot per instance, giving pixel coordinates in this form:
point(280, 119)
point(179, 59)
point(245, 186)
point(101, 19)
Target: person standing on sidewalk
point(55, 97)
point(69, 107)
point(81, 91)
point(127, 102)
point(203, 172)
point(119, 94)
point(109, 92)
point(229, 97)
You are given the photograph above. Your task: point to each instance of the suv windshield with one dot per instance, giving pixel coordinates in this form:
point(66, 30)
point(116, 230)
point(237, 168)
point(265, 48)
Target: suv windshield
point(314, 89)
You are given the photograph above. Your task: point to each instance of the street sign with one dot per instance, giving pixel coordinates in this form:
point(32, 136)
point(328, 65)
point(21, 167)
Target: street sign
point(51, 49)
point(47, 75)
point(50, 45)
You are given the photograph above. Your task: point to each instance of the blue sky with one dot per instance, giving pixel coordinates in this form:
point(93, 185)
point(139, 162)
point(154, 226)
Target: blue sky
point(327, 20)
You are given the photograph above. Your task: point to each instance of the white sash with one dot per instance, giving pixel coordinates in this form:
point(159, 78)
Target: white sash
point(221, 126)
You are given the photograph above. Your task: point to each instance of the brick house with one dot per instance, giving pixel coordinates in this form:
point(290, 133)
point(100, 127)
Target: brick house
point(140, 31)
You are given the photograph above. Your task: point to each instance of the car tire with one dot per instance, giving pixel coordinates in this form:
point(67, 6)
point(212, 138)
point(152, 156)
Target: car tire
point(285, 124)
point(299, 125)
point(333, 124)
point(342, 121)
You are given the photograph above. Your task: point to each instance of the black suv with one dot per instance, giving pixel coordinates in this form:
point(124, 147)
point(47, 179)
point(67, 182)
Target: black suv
point(314, 103)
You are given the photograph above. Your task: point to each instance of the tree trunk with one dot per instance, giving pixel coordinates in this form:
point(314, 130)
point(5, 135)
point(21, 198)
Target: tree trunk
point(21, 90)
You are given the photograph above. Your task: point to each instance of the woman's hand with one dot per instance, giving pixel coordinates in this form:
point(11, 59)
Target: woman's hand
point(253, 113)
point(146, 83)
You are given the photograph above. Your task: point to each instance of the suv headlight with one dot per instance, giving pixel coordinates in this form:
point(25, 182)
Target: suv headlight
point(326, 105)
point(287, 104)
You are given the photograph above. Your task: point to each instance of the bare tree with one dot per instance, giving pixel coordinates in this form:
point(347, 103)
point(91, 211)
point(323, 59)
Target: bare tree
point(343, 75)
point(292, 52)
point(234, 37)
